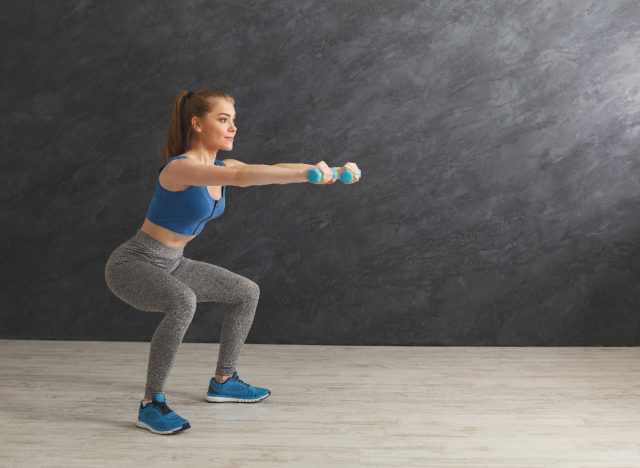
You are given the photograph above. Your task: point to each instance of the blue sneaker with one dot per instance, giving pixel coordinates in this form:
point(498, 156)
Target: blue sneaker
point(236, 390)
point(159, 418)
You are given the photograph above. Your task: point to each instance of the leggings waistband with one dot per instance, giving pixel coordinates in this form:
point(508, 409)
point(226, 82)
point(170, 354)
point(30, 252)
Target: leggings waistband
point(156, 246)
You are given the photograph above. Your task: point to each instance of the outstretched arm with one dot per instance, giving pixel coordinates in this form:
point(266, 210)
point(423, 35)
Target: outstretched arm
point(264, 174)
point(293, 173)
point(187, 171)
point(307, 167)
point(298, 166)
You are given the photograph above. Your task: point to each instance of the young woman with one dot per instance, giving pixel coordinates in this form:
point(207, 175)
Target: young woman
point(149, 272)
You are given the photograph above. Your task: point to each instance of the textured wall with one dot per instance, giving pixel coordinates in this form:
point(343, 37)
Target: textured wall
point(498, 142)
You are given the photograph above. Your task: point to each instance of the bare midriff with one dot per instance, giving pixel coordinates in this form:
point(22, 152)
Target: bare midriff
point(164, 235)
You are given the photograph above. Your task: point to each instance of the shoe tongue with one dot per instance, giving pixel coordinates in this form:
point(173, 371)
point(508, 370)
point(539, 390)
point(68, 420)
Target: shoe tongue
point(159, 397)
point(235, 375)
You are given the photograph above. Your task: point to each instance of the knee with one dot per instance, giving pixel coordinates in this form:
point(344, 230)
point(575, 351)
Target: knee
point(250, 290)
point(183, 304)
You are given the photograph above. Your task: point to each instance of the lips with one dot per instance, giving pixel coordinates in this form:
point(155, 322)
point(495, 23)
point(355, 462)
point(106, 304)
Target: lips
point(228, 138)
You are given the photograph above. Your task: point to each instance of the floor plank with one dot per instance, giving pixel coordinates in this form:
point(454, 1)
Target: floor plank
point(75, 403)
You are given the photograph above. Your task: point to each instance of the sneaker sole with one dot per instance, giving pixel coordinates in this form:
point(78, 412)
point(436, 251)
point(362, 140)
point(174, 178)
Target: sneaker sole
point(172, 431)
point(223, 399)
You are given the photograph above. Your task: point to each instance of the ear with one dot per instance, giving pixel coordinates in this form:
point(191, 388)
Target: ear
point(195, 123)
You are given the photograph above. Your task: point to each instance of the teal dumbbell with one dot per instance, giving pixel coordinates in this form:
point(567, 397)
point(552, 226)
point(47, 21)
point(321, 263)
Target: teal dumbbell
point(315, 175)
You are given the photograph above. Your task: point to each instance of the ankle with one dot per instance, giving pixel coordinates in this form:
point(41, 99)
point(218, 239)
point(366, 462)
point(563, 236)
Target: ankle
point(221, 378)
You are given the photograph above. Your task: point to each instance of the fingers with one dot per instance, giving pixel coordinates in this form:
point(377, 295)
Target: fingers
point(353, 168)
point(327, 173)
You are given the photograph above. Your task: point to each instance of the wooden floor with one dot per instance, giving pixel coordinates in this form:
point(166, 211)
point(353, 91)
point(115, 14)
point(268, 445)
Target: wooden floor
point(73, 404)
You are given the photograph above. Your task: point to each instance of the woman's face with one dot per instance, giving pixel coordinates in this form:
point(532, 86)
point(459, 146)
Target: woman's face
point(218, 127)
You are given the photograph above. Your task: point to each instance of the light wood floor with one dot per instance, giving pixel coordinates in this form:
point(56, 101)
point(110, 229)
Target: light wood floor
point(73, 404)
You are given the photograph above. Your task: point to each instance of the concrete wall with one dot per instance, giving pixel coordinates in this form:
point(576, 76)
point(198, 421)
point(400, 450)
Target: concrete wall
point(498, 142)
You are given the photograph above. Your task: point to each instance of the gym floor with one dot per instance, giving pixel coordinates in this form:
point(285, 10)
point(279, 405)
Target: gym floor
point(74, 404)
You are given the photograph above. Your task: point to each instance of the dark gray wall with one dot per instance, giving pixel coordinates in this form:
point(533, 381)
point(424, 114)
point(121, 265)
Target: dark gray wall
point(498, 141)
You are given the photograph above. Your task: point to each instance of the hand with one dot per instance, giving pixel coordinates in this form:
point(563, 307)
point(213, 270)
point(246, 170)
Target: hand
point(353, 168)
point(327, 173)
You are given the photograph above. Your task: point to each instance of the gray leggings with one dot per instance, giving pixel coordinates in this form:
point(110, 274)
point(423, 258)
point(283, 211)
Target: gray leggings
point(152, 277)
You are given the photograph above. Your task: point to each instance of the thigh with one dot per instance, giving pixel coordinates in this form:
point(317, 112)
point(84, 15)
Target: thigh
point(212, 283)
point(145, 286)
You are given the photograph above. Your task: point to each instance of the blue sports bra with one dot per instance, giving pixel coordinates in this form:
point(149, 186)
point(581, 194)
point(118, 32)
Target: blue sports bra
point(186, 211)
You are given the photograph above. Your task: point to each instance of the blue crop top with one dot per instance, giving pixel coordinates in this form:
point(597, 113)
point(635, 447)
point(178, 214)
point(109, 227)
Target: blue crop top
point(187, 211)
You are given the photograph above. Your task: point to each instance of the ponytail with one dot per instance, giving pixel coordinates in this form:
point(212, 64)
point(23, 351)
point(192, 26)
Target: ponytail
point(186, 105)
point(177, 134)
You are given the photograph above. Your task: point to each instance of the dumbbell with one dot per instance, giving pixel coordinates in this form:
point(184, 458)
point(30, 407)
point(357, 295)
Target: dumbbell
point(315, 175)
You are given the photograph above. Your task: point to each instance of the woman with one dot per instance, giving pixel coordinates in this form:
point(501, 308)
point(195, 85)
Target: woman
point(149, 272)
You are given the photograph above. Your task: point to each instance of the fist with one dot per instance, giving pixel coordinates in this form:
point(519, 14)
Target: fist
point(353, 168)
point(327, 173)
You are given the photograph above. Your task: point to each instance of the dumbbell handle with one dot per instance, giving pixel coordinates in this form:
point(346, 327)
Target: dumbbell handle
point(315, 175)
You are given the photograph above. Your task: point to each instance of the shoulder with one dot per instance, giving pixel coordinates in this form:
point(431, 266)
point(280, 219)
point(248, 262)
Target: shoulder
point(175, 170)
point(176, 158)
point(233, 162)
point(169, 162)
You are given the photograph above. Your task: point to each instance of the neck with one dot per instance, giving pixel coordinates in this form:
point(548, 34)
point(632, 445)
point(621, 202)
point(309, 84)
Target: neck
point(202, 154)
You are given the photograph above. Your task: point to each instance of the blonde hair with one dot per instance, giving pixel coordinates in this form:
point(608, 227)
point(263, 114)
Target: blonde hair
point(186, 105)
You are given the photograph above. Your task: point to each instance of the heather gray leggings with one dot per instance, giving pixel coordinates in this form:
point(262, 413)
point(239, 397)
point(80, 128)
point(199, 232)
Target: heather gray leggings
point(153, 277)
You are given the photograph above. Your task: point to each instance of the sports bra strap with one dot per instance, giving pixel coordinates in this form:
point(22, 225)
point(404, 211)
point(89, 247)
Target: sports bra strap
point(180, 156)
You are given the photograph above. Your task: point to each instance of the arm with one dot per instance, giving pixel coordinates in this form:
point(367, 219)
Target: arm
point(307, 167)
point(190, 172)
point(264, 174)
point(282, 177)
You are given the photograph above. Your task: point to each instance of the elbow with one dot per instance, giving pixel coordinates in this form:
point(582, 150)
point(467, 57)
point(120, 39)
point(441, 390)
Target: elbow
point(239, 179)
